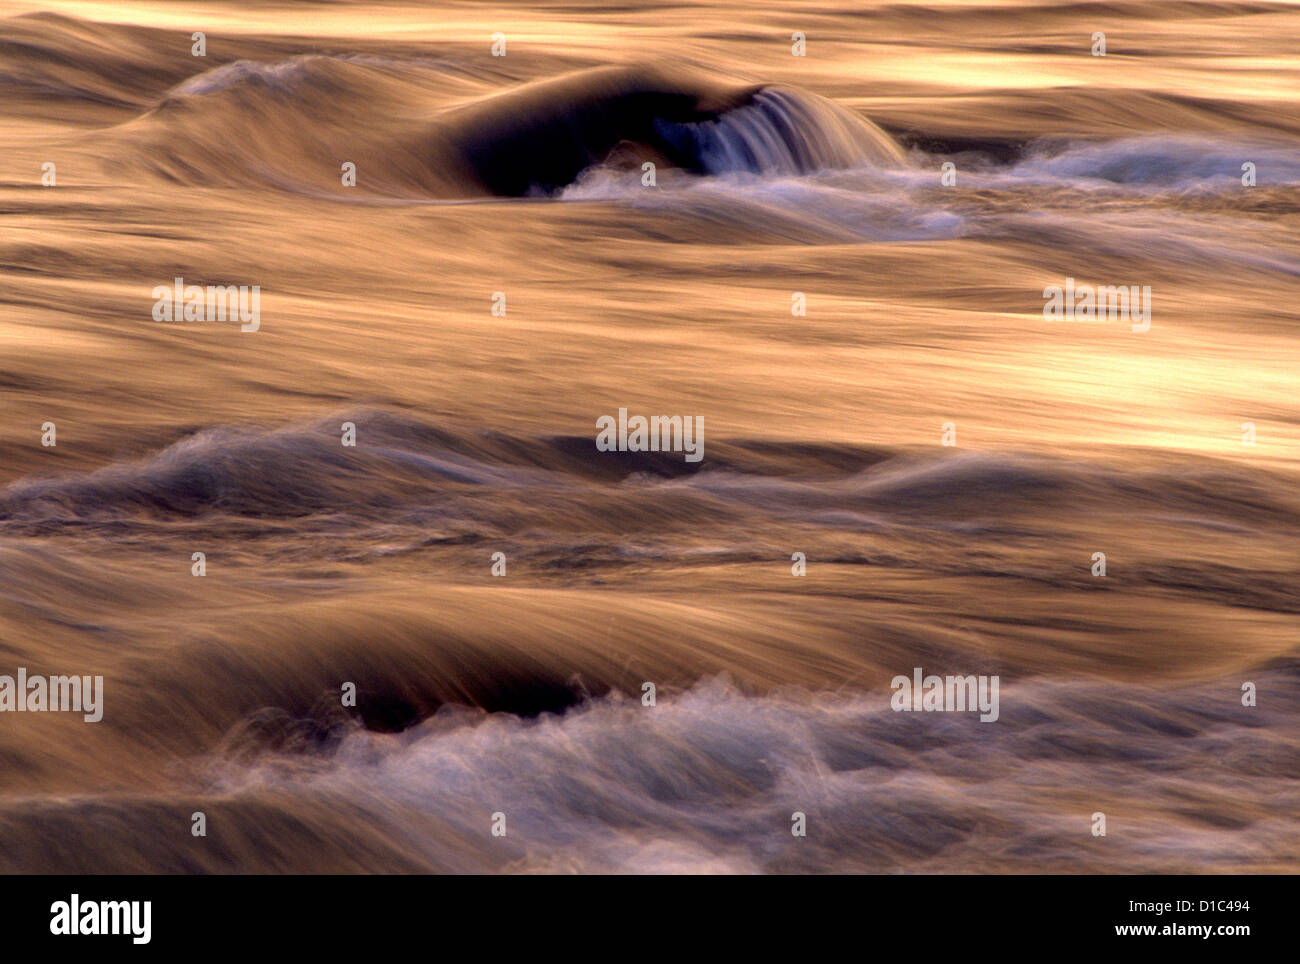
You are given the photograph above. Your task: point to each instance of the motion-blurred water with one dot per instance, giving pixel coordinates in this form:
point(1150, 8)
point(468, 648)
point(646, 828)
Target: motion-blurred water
point(775, 176)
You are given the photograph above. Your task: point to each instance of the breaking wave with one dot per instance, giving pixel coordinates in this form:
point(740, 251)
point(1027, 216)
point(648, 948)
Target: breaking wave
point(709, 779)
point(290, 124)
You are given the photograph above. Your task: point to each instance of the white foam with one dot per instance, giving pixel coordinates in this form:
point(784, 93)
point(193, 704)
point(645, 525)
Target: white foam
point(708, 779)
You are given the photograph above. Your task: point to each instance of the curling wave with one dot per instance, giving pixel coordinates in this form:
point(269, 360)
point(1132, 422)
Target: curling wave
point(290, 125)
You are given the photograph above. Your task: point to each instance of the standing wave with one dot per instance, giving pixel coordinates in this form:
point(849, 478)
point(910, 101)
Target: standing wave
point(289, 126)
